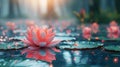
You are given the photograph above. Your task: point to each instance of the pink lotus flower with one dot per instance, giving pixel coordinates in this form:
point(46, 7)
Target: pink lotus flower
point(113, 32)
point(95, 27)
point(41, 45)
point(86, 32)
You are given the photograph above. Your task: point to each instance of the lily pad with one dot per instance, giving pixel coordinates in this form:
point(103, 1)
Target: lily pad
point(105, 39)
point(83, 45)
point(11, 45)
point(64, 38)
point(112, 48)
point(19, 37)
point(65, 34)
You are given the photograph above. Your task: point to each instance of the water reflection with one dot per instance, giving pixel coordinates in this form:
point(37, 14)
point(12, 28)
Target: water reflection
point(67, 58)
point(90, 58)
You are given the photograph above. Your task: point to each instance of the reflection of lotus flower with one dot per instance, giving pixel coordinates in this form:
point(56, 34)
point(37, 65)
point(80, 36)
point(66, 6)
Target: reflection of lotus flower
point(86, 32)
point(113, 32)
point(95, 27)
point(41, 44)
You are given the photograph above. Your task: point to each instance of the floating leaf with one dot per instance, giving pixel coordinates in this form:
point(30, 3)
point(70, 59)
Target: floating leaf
point(113, 48)
point(66, 35)
point(64, 38)
point(11, 45)
point(105, 38)
point(80, 45)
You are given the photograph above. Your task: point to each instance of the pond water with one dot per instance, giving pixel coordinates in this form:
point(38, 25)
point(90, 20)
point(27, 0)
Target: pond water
point(67, 58)
point(88, 54)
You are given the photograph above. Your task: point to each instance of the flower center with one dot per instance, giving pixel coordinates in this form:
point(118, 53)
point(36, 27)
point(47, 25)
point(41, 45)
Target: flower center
point(42, 44)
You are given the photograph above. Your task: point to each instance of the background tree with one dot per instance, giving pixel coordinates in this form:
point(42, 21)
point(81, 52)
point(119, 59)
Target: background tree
point(14, 9)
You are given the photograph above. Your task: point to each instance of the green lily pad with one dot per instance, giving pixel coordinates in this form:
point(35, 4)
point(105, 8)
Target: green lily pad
point(64, 38)
point(105, 38)
point(65, 34)
point(113, 48)
point(80, 45)
point(19, 37)
point(11, 45)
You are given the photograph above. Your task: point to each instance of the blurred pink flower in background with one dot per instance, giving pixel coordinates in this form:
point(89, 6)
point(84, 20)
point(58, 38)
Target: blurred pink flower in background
point(65, 24)
point(86, 32)
point(95, 27)
point(68, 31)
point(113, 32)
point(30, 23)
point(11, 25)
point(41, 44)
point(113, 23)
